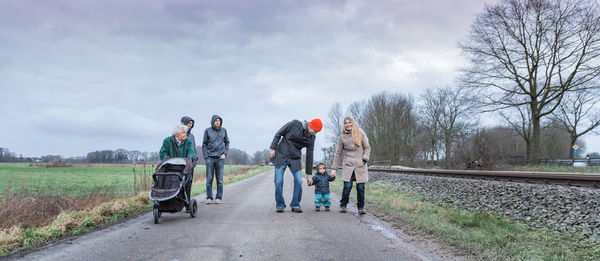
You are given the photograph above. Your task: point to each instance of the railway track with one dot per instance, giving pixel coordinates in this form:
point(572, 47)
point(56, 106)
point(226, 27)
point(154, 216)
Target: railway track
point(549, 178)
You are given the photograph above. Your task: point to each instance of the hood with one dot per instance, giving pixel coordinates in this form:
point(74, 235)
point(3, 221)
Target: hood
point(185, 120)
point(214, 118)
point(317, 168)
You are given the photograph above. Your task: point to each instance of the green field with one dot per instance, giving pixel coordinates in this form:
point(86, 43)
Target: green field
point(78, 179)
point(117, 198)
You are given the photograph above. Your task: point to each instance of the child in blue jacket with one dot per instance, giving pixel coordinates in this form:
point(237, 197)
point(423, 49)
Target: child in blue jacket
point(321, 181)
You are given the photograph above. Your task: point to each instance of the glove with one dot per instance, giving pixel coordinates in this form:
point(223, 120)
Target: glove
point(364, 162)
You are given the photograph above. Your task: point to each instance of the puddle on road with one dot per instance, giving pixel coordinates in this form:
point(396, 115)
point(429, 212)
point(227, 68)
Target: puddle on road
point(386, 233)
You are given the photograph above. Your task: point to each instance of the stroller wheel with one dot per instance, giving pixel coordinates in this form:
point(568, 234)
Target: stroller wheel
point(156, 213)
point(194, 208)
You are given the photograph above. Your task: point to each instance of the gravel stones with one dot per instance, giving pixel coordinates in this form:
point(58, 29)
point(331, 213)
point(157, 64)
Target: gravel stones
point(559, 208)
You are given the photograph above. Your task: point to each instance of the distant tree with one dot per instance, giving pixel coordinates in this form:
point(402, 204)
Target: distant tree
point(120, 156)
point(556, 141)
point(356, 110)
point(261, 157)
point(334, 122)
point(237, 157)
point(578, 115)
point(328, 154)
point(519, 118)
point(51, 158)
point(448, 112)
point(391, 126)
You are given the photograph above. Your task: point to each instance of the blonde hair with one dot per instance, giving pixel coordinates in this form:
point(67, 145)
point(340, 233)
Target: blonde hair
point(356, 131)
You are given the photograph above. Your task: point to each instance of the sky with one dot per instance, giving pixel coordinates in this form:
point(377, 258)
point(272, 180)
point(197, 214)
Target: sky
point(80, 76)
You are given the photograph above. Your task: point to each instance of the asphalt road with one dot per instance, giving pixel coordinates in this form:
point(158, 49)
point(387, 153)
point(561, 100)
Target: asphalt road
point(245, 227)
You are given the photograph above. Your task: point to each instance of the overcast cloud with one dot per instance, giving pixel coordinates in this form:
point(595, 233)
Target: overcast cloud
point(79, 76)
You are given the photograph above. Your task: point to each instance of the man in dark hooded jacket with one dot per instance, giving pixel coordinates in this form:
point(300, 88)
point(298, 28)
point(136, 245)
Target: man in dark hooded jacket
point(215, 146)
point(286, 150)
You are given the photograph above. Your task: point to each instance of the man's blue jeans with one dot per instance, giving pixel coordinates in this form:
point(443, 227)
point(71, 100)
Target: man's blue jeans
point(214, 167)
point(297, 195)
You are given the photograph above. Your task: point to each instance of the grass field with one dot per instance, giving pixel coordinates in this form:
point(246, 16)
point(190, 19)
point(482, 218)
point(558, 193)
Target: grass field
point(78, 180)
point(74, 200)
point(476, 235)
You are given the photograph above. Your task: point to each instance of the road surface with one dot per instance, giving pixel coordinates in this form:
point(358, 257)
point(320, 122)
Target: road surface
point(245, 227)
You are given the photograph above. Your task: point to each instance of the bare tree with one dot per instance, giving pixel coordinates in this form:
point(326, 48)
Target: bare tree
point(391, 126)
point(519, 118)
point(261, 157)
point(447, 112)
point(429, 112)
point(334, 122)
point(237, 157)
point(531, 52)
point(578, 115)
point(356, 111)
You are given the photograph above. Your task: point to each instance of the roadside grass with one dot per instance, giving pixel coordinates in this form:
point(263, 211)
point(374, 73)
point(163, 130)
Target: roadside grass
point(477, 235)
point(81, 212)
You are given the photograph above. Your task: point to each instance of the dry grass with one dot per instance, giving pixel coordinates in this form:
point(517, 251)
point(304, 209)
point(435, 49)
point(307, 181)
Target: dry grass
point(71, 221)
point(29, 211)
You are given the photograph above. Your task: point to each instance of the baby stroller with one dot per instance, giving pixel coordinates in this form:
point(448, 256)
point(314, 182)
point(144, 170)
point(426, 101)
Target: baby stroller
point(168, 187)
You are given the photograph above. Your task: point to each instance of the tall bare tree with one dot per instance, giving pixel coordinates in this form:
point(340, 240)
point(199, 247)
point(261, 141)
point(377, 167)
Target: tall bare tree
point(531, 52)
point(334, 122)
point(390, 124)
point(448, 112)
point(429, 112)
point(578, 115)
point(356, 111)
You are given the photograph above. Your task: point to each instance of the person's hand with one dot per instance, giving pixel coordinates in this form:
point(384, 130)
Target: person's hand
point(272, 153)
point(309, 181)
point(333, 172)
point(223, 156)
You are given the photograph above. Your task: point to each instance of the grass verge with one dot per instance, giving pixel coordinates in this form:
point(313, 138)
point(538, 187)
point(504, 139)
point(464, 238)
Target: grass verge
point(76, 222)
point(478, 235)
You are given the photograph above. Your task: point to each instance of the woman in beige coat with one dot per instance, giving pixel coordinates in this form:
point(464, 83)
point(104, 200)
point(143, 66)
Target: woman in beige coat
point(353, 146)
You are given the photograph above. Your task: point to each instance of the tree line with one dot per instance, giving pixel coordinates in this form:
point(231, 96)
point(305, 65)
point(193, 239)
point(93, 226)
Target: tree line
point(123, 156)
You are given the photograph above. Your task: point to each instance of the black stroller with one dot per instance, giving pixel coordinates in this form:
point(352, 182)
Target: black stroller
point(168, 187)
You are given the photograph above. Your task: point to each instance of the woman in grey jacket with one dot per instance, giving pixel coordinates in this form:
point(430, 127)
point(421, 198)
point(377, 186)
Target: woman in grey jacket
point(353, 147)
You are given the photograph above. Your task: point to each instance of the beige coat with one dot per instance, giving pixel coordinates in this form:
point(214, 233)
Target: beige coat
point(352, 157)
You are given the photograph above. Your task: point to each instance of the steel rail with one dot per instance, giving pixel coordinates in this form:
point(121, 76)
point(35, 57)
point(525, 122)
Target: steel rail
point(554, 178)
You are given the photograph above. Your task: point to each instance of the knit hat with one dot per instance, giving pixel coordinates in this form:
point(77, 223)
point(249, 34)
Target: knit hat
point(316, 125)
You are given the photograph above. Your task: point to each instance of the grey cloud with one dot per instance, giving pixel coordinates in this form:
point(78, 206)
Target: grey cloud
point(86, 75)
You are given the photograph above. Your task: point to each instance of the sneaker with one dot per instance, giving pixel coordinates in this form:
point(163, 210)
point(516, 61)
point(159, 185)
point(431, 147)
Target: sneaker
point(218, 201)
point(326, 208)
point(362, 211)
point(318, 208)
point(297, 210)
point(342, 209)
point(279, 210)
point(209, 201)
